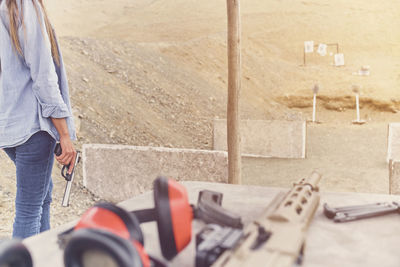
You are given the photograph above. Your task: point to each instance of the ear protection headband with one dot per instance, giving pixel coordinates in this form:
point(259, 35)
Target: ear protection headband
point(14, 254)
point(111, 230)
point(174, 214)
point(84, 243)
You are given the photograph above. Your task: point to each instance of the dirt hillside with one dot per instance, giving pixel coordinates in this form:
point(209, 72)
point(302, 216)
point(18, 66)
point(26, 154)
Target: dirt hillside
point(193, 34)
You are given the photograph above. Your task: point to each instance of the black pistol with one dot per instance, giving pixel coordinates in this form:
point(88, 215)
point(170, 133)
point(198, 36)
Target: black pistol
point(69, 177)
point(214, 240)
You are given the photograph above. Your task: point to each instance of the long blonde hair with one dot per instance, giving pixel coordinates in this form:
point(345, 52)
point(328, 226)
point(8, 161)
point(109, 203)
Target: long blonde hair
point(16, 16)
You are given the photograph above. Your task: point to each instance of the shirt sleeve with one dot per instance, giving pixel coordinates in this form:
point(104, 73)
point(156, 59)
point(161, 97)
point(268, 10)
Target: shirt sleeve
point(38, 57)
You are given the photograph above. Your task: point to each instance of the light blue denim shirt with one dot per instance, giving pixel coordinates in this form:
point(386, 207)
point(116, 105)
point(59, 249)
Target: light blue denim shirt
point(32, 88)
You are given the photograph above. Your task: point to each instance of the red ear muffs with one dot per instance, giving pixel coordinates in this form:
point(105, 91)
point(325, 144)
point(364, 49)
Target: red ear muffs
point(114, 219)
point(174, 216)
point(124, 253)
point(14, 254)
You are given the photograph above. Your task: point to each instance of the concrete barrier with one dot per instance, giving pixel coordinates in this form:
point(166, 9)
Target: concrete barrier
point(118, 172)
point(393, 151)
point(394, 177)
point(277, 139)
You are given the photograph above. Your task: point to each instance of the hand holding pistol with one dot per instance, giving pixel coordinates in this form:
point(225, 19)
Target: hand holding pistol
point(69, 177)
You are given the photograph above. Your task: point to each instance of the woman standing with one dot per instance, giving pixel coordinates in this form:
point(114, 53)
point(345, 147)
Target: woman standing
point(35, 110)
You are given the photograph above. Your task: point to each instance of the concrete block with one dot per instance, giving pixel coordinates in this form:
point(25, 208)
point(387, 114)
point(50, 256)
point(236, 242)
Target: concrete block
point(393, 150)
point(394, 177)
point(277, 139)
point(118, 172)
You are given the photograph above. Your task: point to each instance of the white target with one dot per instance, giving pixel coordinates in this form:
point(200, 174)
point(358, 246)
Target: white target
point(309, 46)
point(339, 60)
point(322, 49)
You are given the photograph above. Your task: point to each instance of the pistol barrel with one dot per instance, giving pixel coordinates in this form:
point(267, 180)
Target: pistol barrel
point(68, 186)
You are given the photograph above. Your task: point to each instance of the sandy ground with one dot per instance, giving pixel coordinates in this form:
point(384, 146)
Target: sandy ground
point(153, 72)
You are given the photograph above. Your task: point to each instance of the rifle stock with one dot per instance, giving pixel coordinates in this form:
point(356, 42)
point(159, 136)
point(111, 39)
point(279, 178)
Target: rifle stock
point(277, 238)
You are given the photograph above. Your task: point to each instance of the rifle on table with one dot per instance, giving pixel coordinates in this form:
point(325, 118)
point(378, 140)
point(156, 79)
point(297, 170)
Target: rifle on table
point(276, 239)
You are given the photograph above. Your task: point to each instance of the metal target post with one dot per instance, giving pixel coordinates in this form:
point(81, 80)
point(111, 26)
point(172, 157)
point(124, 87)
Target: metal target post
point(315, 91)
point(314, 107)
point(358, 106)
point(234, 72)
point(356, 90)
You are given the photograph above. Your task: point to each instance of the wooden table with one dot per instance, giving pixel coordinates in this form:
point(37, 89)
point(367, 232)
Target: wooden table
point(368, 242)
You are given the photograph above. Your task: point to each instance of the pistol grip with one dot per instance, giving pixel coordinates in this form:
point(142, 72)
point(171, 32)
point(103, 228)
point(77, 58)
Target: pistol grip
point(58, 150)
point(209, 210)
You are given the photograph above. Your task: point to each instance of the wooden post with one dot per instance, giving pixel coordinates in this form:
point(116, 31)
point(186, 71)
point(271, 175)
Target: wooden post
point(233, 118)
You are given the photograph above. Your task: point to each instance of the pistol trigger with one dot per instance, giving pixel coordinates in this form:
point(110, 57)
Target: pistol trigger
point(263, 236)
point(64, 173)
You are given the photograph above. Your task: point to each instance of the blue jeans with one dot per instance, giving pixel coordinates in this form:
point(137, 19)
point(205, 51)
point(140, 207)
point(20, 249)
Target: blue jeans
point(34, 162)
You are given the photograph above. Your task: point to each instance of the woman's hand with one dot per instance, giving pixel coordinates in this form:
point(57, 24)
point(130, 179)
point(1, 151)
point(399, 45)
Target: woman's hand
point(68, 154)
